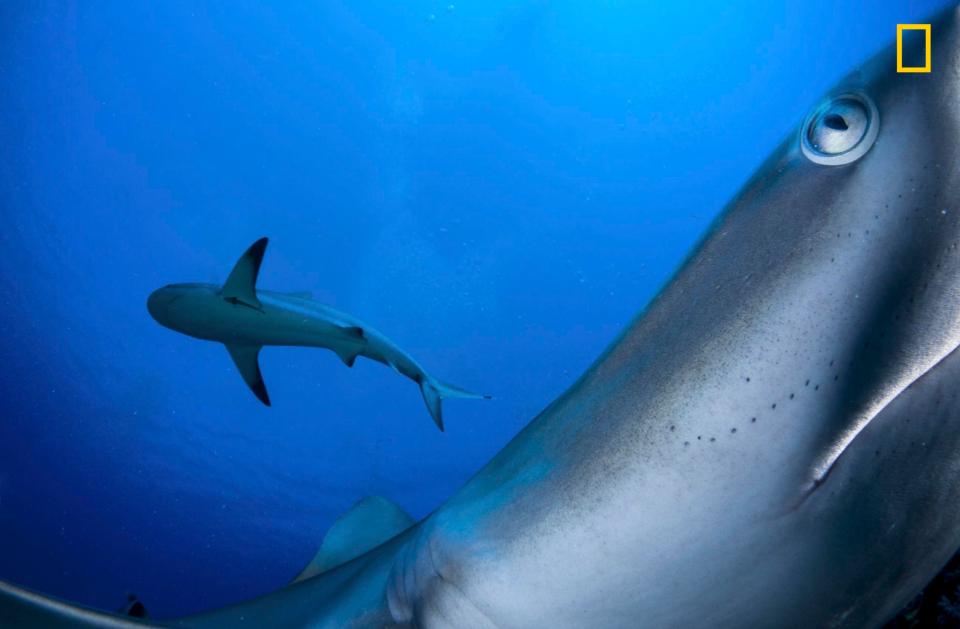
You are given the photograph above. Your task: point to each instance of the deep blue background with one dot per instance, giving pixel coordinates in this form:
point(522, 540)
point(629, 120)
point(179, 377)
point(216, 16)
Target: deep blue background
point(497, 186)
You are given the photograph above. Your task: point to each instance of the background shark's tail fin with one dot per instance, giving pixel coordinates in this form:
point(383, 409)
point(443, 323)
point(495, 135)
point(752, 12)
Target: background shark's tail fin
point(434, 391)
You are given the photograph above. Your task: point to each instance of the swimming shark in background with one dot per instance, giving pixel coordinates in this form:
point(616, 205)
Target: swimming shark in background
point(245, 319)
point(774, 442)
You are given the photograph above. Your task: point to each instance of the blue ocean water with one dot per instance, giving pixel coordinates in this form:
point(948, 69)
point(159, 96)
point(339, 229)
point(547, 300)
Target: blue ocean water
point(497, 186)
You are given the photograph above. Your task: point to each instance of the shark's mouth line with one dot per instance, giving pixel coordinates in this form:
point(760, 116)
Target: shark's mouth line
point(821, 477)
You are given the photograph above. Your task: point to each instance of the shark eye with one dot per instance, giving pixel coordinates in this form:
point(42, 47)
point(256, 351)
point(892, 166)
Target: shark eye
point(840, 130)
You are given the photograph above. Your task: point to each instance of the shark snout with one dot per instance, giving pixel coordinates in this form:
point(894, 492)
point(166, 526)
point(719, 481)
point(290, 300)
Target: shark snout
point(158, 303)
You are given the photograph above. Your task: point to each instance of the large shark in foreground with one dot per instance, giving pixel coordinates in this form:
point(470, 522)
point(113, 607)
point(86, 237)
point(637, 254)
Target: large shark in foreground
point(774, 442)
point(245, 319)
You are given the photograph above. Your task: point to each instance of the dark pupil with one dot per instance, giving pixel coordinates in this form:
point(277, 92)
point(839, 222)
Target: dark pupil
point(835, 121)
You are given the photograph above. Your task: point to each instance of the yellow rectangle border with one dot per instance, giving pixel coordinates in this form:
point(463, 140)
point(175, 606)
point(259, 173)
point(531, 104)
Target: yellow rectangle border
point(912, 27)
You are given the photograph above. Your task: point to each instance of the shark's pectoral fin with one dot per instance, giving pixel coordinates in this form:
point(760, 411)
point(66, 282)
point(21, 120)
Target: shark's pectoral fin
point(241, 285)
point(366, 525)
point(245, 358)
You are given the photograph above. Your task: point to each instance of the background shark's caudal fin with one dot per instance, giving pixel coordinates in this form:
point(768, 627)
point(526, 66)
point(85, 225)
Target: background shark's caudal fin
point(241, 285)
point(366, 525)
point(434, 391)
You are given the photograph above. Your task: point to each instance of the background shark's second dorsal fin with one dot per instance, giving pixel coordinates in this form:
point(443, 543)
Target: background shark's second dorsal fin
point(363, 527)
point(241, 285)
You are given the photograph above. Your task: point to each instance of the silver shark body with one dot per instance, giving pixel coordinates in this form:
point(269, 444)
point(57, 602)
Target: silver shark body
point(245, 319)
point(283, 319)
point(774, 442)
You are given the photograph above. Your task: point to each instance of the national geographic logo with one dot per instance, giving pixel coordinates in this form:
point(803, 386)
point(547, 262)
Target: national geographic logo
point(913, 63)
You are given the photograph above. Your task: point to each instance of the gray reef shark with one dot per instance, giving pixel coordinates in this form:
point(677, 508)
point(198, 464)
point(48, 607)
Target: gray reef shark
point(773, 442)
point(245, 319)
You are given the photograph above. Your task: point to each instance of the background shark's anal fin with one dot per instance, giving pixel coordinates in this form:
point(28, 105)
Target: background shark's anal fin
point(241, 284)
point(245, 357)
point(366, 525)
point(347, 354)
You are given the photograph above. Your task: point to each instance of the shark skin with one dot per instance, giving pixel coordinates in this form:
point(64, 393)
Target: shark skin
point(245, 319)
point(773, 442)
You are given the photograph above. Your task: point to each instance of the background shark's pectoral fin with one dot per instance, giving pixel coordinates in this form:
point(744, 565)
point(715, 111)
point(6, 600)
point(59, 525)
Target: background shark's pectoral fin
point(366, 525)
point(241, 285)
point(245, 357)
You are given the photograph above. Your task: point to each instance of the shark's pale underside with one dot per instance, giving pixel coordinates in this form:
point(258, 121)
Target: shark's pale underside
point(774, 442)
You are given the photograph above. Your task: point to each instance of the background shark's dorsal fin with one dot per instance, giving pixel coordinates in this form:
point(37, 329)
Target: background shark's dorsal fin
point(245, 357)
point(363, 527)
point(241, 285)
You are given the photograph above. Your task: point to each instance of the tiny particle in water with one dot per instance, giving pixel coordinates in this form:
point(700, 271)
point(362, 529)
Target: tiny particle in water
point(753, 420)
point(791, 396)
point(774, 405)
point(686, 443)
point(733, 430)
point(713, 439)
